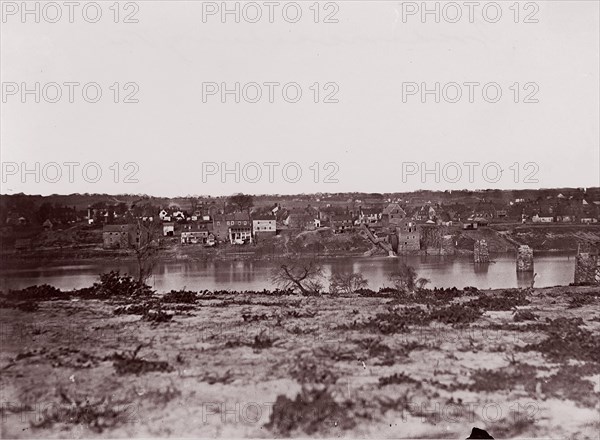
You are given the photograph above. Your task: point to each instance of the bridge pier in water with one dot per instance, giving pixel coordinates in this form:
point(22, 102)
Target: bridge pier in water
point(524, 259)
point(481, 253)
point(587, 264)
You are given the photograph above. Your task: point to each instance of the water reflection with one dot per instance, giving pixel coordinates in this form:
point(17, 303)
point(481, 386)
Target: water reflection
point(481, 268)
point(443, 271)
point(524, 279)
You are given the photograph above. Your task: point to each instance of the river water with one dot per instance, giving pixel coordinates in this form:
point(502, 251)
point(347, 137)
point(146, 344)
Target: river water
point(460, 271)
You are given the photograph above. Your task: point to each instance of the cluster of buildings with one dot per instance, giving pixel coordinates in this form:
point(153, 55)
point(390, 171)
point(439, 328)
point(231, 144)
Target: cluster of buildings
point(235, 228)
point(561, 209)
point(399, 223)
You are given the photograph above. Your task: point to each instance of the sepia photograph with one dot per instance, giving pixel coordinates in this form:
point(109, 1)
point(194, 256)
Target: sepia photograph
point(358, 219)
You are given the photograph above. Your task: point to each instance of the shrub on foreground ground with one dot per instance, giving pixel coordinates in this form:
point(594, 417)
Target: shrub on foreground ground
point(114, 284)
point(24, 306)
point(398, 378)
point(567, 340)
point(97, 416)
point(111, 285)
point(582, 299)
point(524, 315)
point(308, 371)
point(312, 411)
point(129, 363)
point(399, 320)
point(44, 292)
point(508, 300)
point(180, 296)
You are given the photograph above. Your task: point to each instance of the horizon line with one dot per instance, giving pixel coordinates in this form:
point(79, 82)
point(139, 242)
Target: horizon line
point(441, 191)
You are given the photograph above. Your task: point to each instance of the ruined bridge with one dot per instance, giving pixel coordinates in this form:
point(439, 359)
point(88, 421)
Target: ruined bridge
point(378, 241)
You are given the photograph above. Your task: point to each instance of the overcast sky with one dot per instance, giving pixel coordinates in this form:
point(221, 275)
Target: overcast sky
point(368, 134)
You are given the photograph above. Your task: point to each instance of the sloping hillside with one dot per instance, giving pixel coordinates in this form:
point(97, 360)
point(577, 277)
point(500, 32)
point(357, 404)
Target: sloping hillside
point(555, 237)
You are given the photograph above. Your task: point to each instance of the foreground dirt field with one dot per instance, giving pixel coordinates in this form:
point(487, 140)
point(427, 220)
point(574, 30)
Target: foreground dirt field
point(431, 365)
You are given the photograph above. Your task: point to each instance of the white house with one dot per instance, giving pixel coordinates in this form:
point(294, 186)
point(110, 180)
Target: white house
point(178, 215)
point(369, 216)
point(264, 224)
point(168, 229)
point(542, 219)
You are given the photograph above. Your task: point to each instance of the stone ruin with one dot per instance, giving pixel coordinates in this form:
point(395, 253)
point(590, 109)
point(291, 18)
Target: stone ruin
point(524, 259)
point(447, 245)
point(480, 252)
point(587, 264)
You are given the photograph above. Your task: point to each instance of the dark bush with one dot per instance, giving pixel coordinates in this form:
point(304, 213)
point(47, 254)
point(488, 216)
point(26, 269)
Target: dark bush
point(133, 309)
point(426, 296)
point(97, 417)
point(139, 366)
point(129, 363)
point(250, 317)
point(114, 284)
point(582, 299)
point(382, 293)
point(180, 296)
point(505, 379)
point(398, 321)
point(44, 292)
point(312, 411)
point(397, 378)
point(507, 301)
point(524, 315)
point(157, 315)
point(455, 314)
point(24, 306)
point(566, 340)
point(307, 371)
point(262, 340)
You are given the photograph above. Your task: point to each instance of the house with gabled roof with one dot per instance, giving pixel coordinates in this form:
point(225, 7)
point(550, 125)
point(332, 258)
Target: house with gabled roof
point(195, 233)
point(370, 216)
point(392, 214)
point(235, 227)
point(264, 225)
point(341, 223)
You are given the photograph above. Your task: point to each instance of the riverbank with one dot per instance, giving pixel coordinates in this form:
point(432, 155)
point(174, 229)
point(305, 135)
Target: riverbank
point(320, 244)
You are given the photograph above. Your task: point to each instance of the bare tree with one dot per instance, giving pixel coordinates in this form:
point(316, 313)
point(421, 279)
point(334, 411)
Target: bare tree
point(194, 202)
point(242, 202)
point(145, 247)
point(346, 283)
point(421, 282)
point(405, 279)
point(305, 277)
